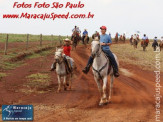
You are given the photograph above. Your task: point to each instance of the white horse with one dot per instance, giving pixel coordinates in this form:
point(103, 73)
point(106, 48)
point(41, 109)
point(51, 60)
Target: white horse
point(61, 71)
point(100, 68)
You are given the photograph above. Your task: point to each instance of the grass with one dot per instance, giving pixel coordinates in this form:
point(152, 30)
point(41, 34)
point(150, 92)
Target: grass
point(145, 60)
point(2, 75)
point(37, 83)
point(38, 80)
point(23, 37)
point(6, 63)
point(37, 55)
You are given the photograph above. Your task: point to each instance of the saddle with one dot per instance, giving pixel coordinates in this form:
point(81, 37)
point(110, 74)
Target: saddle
point(68, 66)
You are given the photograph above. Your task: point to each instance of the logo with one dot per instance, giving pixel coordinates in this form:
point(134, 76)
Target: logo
point(17, 112)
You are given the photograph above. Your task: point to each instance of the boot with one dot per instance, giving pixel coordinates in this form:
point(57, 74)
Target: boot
point(53, 67)
point(86, 69)
point(116, 73)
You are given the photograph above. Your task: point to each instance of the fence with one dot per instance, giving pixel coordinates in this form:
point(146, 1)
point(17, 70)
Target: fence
point(19, 42)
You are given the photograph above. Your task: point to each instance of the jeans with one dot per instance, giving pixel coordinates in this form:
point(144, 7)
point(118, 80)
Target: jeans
point(110, 55)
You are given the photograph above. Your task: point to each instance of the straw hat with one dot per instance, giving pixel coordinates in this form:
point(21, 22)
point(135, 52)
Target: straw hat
point(66, 40)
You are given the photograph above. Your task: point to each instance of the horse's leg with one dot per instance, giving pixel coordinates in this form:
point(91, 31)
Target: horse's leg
point(70, 82)
point(64, 83)
point(100, 89)
point(59, 83)
point(104, 97)
point(111, 86)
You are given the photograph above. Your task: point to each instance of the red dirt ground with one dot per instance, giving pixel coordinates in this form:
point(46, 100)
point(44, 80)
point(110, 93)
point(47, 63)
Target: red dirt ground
point(132, 101)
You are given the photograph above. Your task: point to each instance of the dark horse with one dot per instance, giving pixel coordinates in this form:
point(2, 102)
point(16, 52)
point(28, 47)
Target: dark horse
point(135, 43)
point(75, 39)
point(154, 45)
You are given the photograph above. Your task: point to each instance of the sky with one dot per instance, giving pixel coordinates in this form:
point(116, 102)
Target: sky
point(123, 16)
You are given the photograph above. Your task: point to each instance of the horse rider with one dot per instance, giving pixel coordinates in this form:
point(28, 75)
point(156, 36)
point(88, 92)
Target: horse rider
point(131, 40)
point(66, 55)
point(76, 32)
point(76, 29)
point(124, 36)
point(138, 37)
point(145, 39)
point(161, 41)
point(96, 34)
point(155, 42)
point(85, 33)
point(105, 41)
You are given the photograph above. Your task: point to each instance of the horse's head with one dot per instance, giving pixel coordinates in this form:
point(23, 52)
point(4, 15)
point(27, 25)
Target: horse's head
point(95, 46)
point(58, 56)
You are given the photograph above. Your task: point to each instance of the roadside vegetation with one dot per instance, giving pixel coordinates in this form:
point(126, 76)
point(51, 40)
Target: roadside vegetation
point(146, 60)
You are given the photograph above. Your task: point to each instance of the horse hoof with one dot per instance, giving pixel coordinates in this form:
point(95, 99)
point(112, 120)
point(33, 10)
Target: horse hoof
point(106, 103)
point(58, 91)
point(101, 104)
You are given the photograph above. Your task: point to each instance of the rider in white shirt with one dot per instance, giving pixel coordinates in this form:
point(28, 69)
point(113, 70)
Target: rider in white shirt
point(161, 39)
point(76, 29)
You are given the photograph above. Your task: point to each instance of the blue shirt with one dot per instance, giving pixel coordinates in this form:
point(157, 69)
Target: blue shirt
point(85, 32)
point(105, 39)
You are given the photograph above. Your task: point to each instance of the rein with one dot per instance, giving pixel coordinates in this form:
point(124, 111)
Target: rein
point(60, 62)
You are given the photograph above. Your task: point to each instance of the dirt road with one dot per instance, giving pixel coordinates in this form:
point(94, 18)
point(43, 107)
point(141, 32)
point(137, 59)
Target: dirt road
point(132, 101)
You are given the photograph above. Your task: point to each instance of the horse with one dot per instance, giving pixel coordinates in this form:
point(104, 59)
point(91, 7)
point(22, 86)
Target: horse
point(116, 38)
point(121, 38)
point(61, 71)
point(131, 43)
point(75, 40)
point(144, 44)
point(161, 45)
point(124, 39)
point(135, 43)
point(100, 68)
point(85, 40)
point(155, 45)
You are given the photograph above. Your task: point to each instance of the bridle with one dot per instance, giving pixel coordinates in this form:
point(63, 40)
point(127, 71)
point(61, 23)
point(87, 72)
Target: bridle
point(98, 55)
point(60, 60)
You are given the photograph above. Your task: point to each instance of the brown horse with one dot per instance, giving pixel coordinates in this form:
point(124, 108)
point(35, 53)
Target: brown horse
point(144, 44)
point(116, 38)
point(86, 40)
point(161, 45)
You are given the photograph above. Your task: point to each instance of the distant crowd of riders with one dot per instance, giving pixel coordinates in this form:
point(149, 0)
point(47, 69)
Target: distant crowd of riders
point(106, 41)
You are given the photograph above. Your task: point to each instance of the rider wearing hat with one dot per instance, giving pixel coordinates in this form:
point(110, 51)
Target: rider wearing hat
point(84, 35)
point(155, 43)
point(105, 41)
point(66, 50)
point(67, 47)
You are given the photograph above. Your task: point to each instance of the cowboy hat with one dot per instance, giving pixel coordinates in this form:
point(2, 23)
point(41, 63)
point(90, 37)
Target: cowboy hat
point(66, 40)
